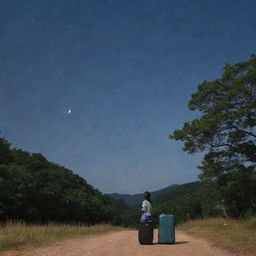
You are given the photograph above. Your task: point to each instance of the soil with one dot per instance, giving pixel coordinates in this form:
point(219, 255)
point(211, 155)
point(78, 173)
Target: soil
point(125, 243)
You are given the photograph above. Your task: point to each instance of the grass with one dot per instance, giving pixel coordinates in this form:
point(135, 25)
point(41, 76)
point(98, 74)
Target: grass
point(15, 236)
point(235, 235)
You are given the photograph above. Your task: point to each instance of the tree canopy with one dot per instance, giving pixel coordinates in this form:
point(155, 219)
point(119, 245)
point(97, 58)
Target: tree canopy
point(226, 133)
point(34, 189)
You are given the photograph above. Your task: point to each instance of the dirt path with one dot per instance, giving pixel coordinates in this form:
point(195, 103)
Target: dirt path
point(125, 243)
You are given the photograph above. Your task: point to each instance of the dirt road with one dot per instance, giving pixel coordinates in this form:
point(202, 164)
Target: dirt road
point(125, 243)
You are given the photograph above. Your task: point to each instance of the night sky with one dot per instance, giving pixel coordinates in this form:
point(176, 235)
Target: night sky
point(98, 86)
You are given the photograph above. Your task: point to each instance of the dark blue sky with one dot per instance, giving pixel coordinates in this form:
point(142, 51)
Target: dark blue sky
point(126, 70)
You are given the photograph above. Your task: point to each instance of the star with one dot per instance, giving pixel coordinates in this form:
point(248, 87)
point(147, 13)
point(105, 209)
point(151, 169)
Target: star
point(68, 112)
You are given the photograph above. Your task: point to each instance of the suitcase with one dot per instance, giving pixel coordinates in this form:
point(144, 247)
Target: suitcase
point(166, 232)
point(146, 232)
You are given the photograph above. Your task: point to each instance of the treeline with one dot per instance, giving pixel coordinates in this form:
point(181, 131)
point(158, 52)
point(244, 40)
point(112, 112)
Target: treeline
point(35, 190)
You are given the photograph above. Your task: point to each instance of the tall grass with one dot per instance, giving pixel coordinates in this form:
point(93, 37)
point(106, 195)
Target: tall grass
point(17, 235)
point(238, 236)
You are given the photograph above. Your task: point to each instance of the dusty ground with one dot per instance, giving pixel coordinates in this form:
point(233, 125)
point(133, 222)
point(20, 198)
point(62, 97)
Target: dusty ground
point(125, 243)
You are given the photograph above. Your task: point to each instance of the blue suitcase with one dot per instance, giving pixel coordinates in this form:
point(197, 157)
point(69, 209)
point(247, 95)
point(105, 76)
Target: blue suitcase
point(166, 232)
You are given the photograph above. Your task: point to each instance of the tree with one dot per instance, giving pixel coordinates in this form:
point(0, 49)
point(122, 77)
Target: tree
point(35, 190)
point(6, 155)
point(226, 133)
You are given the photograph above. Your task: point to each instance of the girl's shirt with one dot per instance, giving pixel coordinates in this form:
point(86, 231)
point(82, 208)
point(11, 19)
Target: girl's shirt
point(146, 207)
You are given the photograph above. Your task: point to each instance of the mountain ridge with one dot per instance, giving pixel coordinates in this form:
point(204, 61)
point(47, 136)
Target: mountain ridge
point(138, 197)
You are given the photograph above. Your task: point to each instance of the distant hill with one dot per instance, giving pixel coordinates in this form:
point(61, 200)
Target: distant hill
point(180, 191)
point(137, 198)
point(185, 202)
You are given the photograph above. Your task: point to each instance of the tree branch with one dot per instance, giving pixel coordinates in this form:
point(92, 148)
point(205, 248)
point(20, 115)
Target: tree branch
point(249, 133)
point(222, 145)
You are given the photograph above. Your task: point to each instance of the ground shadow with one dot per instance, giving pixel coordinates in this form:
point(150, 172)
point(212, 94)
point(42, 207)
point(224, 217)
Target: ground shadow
point(176, 243)
point(181, 242)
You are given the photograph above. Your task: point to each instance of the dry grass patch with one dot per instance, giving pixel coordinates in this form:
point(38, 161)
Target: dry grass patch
point(20, 235)
point(235, 235)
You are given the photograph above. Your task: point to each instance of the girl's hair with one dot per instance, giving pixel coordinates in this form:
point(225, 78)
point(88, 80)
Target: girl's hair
point(147, 196)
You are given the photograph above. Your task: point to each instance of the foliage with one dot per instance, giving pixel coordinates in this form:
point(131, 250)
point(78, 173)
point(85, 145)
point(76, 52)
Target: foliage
point(226, 133)
point(35, 190)
point(116, 208)
point(184, 202)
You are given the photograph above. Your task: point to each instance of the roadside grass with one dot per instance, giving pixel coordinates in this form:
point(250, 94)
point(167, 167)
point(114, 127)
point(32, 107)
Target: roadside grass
point(237, 236)
point(18, 235)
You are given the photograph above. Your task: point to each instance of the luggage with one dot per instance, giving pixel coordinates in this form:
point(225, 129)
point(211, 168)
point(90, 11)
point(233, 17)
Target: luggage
point(166, 232)
point(146, 232)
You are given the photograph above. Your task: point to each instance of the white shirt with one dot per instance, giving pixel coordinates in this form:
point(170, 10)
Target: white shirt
point(146, 207)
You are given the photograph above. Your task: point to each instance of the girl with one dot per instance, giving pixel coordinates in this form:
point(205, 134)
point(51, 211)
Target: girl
point(146, 207)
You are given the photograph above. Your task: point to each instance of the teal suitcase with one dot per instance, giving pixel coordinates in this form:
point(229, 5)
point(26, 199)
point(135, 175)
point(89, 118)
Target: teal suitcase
point(166, 232)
